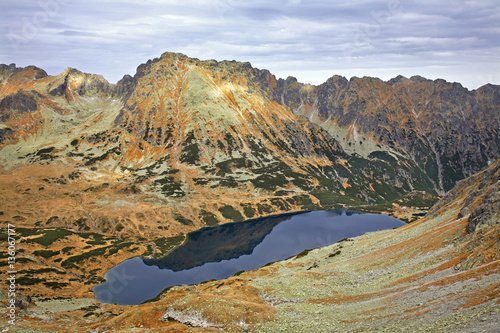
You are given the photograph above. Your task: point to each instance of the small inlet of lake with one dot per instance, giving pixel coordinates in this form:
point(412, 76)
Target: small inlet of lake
point(220, 252)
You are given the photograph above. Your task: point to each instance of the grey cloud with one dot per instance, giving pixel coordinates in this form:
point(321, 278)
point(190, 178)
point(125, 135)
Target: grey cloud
point(320, 36)
point(76, 33)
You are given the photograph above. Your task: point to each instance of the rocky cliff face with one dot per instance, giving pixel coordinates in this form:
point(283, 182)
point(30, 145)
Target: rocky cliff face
point(481, 206)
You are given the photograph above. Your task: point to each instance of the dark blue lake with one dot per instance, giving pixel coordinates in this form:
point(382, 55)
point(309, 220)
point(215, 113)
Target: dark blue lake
point(219, 252)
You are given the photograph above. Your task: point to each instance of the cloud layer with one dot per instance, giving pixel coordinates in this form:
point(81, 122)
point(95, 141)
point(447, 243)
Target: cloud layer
point(311, 40)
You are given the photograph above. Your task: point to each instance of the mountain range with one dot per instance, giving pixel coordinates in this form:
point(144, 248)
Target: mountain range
point(211, 141)
point(93, 173)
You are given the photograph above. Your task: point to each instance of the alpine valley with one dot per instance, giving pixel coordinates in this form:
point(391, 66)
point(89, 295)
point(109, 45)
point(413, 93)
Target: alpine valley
point(93, 173)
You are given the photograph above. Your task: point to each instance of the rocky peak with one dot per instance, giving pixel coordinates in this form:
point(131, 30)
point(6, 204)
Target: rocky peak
point(72, 81)
point(397, 79)
point(125, 86)
point(31, 72)
point(10, 75)
point(145, 68)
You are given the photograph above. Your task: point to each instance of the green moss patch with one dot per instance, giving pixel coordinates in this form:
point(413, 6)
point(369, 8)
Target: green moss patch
point(50, 236)
point(230, 213)
point(46, 253)
point(209, 218)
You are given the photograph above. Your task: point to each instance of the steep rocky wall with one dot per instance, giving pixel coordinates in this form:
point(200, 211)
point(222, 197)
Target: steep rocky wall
point(449, 131)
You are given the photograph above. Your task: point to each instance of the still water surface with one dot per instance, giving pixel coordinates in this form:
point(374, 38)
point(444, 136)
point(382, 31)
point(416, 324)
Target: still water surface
point(219, 252)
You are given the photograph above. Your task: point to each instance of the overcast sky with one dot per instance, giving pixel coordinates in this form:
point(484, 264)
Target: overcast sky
point(309, 39)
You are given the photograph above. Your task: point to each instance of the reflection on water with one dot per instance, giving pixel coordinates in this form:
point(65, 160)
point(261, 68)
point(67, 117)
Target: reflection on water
point(219, 243)
point(219, 252)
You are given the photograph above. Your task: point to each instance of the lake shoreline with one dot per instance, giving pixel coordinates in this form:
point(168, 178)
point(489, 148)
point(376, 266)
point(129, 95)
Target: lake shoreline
point(221, 251)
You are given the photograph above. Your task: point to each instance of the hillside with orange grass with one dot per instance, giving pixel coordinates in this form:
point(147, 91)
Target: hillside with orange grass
point(438, 274)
